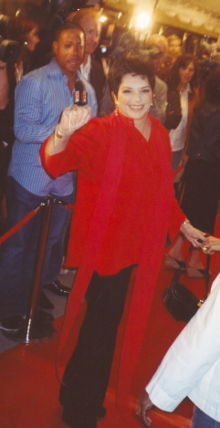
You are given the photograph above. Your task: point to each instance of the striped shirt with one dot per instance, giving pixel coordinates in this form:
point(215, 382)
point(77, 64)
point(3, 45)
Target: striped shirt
point(40, 98)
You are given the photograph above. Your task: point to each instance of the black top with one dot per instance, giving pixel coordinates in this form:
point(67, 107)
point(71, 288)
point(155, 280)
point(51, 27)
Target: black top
point(204, 139)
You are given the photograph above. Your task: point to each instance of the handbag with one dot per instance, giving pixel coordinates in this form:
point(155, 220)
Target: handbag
point(180, 302)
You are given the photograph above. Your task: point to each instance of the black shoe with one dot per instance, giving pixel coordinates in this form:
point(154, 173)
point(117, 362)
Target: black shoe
point(44, 302)
point(13, 324)
point(83, 420)
point(58, 288)
point(41, 327)
point(65, 397)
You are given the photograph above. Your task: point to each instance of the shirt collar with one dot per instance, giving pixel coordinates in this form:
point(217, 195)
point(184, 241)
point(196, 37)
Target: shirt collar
point(55, 70)
point(85, 68)
point(187, 90)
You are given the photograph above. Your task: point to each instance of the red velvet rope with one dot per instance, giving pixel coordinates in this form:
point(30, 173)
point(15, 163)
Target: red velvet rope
point(19, 225)
point(24, 220)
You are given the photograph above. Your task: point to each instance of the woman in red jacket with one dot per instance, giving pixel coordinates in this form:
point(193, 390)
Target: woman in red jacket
point(124, 208)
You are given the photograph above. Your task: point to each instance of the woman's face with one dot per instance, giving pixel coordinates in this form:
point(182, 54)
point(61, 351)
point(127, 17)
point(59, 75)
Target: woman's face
point(186, 73)
point(32, 39)
point(134, 96)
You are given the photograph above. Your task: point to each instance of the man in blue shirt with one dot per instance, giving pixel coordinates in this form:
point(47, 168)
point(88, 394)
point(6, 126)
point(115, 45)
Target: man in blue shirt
point(40, 99)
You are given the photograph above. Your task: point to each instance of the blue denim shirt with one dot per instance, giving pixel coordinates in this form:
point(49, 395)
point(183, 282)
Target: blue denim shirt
point(40, 98)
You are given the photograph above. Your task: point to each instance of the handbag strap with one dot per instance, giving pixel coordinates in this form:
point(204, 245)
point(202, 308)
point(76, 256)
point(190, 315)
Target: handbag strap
point(207, 282)
point(176, 276)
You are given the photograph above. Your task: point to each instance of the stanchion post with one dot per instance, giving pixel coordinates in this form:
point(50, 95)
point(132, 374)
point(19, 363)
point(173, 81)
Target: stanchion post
point(47, 207)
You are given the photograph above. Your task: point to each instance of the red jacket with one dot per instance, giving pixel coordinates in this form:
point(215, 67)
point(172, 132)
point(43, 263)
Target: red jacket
point(145, 171)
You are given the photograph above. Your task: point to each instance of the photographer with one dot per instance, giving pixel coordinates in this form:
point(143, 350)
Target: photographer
point(19, 39)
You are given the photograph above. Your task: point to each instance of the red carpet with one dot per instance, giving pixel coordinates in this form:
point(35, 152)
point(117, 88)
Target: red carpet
point(29, 385)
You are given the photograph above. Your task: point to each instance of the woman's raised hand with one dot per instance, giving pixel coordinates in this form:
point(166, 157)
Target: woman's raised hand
point(73, 118)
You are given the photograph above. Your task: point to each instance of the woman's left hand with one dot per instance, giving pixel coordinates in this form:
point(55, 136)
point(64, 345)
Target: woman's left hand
point(195, 236)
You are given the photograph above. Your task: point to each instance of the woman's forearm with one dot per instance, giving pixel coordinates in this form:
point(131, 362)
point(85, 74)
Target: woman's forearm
point(56, 143)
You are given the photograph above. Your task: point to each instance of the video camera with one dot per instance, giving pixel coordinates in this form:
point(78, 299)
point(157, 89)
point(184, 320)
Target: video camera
point(9, 49)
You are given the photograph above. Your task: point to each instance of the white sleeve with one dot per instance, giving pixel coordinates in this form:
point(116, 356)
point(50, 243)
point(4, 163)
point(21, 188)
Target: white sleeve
point(190, 356)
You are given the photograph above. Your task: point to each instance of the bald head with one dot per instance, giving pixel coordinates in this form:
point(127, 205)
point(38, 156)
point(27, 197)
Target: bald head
point(89, 20)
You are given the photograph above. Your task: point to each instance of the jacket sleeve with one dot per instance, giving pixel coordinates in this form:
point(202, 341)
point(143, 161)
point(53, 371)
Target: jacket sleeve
point(79, 153)
point(193, 353)
point(29, 104)
point(177, 217)
point(173, 111)
point(204, 134)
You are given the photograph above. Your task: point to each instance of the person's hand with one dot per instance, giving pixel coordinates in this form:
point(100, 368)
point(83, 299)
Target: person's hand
point(212, 244)
point(145, 404)
point(73, 118)
point(195, 236)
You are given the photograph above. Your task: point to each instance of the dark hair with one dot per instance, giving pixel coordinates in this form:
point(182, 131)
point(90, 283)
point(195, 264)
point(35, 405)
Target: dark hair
point(183, 61)
point(19, 27)
point(212, 86)
point(65, 27)
point(137, 64)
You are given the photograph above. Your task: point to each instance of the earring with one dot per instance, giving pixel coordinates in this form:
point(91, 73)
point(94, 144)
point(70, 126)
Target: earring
point(153, 99)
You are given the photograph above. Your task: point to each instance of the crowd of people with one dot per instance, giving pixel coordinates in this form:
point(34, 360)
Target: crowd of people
point(145, 116)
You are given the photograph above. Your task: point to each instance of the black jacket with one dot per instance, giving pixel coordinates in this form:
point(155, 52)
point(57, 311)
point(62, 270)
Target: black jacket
point(97, 78)
point(204, 139)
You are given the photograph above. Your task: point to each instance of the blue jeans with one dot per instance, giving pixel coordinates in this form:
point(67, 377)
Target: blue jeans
point(18, 253)
point(201, 420)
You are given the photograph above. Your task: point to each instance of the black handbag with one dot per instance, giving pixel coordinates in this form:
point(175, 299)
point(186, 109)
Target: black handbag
point(181, 303)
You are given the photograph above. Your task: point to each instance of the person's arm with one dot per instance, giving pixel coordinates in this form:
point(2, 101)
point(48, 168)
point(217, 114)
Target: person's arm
point(72, 119)
point(178, 221)
point(32, 123)
point(4, 86)
point(144, 407)
point(212, 244)
point(195, 351)
point(195, 236)
point(36, 110)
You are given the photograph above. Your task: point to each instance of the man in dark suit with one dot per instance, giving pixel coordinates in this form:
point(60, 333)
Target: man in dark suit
point(91, 69)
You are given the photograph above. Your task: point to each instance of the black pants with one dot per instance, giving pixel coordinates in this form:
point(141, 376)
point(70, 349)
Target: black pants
point(87, 373)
